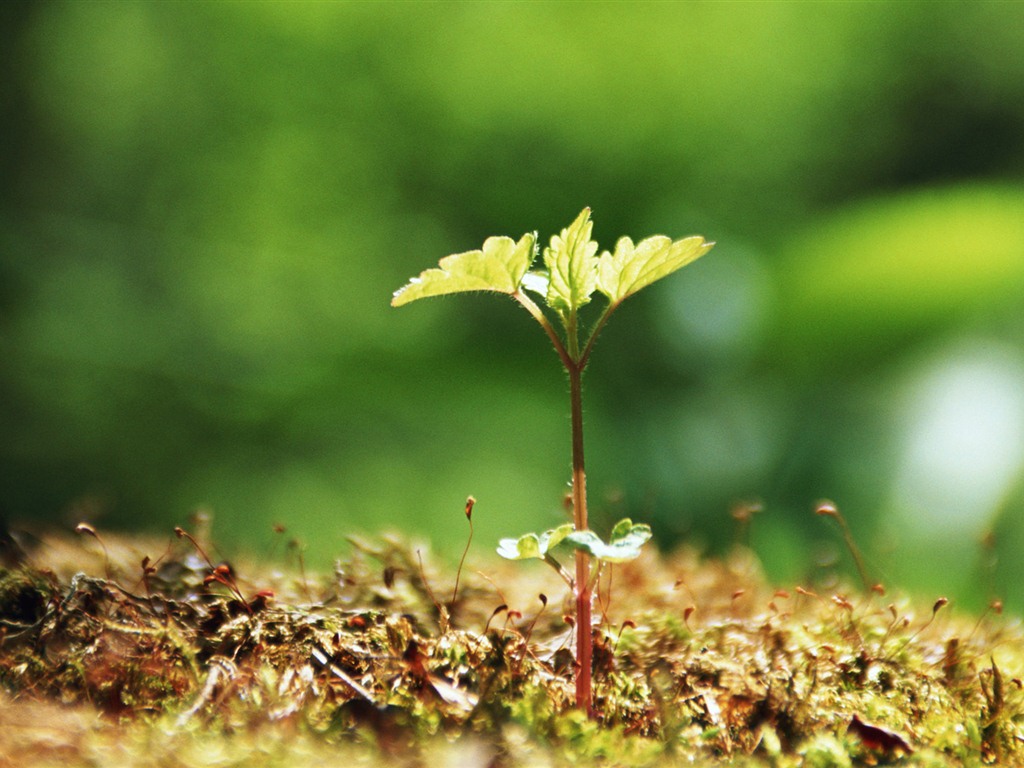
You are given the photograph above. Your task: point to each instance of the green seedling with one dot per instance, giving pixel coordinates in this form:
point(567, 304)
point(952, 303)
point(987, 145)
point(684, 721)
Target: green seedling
point(623, 545)
point(571, 273)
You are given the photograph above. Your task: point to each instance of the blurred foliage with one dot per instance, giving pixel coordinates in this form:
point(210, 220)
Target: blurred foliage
point(205, 207)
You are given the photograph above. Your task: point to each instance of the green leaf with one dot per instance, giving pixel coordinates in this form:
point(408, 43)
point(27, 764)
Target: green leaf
point(531, 546)
point(633, 267)
point(623, 528)
point(628, 533)
point(624, 544)
point(525, 547)
point(571, 262)
point(500, 267)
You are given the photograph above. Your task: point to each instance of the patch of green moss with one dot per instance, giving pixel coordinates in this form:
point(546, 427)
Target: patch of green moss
point(364, 665)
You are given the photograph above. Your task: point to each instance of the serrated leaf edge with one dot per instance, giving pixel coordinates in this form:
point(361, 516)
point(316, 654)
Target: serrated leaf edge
point(626, 257)
point(571, 282)
point(454, 273)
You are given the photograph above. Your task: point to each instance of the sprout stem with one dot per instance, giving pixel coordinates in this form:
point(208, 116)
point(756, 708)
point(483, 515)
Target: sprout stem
point(584, 640)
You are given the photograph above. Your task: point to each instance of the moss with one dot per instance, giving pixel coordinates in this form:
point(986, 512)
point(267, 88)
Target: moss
point(188, 670)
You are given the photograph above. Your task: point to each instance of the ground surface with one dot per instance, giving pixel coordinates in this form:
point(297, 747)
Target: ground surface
point(149, 652)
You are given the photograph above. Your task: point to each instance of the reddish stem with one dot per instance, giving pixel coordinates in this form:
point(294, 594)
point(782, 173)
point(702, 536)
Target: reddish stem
point(584, 640)
point(575, 361)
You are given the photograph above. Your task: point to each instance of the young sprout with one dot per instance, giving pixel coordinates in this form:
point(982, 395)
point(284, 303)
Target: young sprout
point(571, 272)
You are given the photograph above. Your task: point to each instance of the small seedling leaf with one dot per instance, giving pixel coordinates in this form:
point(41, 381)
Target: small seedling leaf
point(552, 538)
point(623, 528)
point(633, 267)
point(625, 542)
point(534, 546)
point(523, 548)
point(500, 266)
point(571, 261)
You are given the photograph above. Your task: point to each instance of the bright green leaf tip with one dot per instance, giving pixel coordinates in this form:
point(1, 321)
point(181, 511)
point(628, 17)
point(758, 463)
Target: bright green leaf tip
point(571, 260)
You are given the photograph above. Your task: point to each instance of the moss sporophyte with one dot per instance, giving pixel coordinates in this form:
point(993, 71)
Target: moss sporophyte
point(571, 273)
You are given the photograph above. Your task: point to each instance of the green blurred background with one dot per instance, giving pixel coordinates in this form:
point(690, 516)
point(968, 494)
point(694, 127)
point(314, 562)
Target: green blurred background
point(206, 206)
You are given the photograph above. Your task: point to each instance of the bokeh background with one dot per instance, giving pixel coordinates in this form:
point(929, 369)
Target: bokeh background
point(206, 207)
